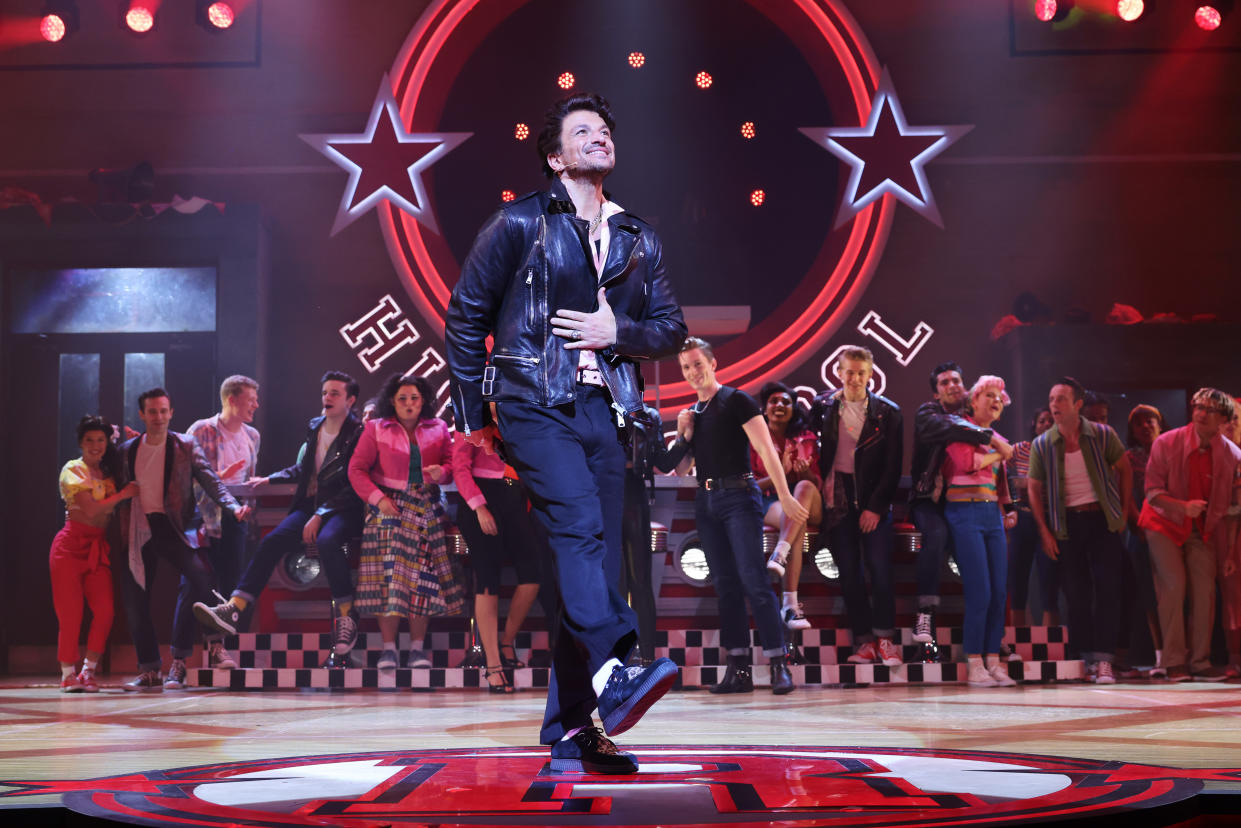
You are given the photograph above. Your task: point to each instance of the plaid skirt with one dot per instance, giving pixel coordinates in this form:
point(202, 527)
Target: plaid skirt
point(405, 567)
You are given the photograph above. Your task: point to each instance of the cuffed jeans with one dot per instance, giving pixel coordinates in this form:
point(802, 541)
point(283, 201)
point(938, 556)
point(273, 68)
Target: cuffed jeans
point(1090, 573)
point(224, 554)
point(982, 556)
point(928, 516)
point(1187, 568)
point(730, 526)
point(338, 529)
point(570, 458)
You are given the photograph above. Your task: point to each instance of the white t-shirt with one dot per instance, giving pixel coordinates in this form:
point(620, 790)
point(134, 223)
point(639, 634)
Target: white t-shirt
point(233, 446)
point(852, 418)
point(1077, 488)
point(586, 359)
point(149, 472)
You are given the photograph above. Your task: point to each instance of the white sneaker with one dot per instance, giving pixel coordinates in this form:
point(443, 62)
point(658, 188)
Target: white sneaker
point(1001, 676)
point(1103, 673)
point(923, 634)
point(979, 677)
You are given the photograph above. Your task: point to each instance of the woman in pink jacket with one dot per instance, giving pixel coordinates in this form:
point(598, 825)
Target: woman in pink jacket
point(405, 568)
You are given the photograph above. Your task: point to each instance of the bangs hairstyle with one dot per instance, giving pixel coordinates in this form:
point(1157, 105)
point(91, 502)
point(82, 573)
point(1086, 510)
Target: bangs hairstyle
point(1214, 398)
point(111, 462)
point(351, 385)
point(385, 408)
point(692, 342)
point(548, 142)
point(988, 381)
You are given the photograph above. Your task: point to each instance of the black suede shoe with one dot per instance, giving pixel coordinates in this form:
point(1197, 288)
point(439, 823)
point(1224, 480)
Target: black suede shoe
point(781, 678)
point(737, 677)
point(589, 751)
point(631, 690)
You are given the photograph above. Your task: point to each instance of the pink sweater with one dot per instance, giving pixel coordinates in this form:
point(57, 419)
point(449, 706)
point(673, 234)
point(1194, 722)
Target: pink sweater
point(382, 456)
point(469, 462)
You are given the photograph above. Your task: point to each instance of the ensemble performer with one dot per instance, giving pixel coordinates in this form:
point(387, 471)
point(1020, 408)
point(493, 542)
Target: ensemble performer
point(720, 429)
point(572, 287)
point(79, 562)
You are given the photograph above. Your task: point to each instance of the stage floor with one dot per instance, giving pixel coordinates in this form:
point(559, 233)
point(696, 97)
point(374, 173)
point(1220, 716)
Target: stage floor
point(689, 739)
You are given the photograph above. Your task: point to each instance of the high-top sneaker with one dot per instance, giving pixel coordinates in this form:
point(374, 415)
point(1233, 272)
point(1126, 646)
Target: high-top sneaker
point(924, 634)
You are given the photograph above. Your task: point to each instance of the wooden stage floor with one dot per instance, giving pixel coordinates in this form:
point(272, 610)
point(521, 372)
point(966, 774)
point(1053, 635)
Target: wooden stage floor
point(49, 736)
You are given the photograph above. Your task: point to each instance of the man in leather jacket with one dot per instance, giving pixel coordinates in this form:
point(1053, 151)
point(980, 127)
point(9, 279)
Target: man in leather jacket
point(325, 512)
point(936, 424)
point(860, 446)
point(572, 288)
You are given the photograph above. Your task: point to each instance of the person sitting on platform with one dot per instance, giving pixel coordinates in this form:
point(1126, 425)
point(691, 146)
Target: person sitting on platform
point(495, 521)
point(231, 446)
point(1079, 483)
point(1023, 545)
point(158, 524)
point(719, 429)
point(1191, 482)
point(797, 448)
point(79, 560)
point(405, 567)
point(325, 513)
point(861, 443)
point(975, 492)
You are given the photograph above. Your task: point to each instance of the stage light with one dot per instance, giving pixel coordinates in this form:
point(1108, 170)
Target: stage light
point(826, 564)
point(507, 195)
point(693, 563)
point(521, 132)
point(1052, 11)
point(566, 80)
point(1209, 17)
point(757, 198)
point(58, 20)
point(637, 59)
point(703, 80)
point(747, 130)
point(1130, 10)
point(138, 18)
point(215, 15)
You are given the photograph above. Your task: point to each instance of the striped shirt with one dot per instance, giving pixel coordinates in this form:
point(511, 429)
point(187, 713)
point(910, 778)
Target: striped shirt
point(1101, 450)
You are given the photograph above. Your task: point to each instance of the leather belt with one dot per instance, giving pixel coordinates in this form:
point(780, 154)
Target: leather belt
point(1092, 506)
point(589, 376)
point(736, 481)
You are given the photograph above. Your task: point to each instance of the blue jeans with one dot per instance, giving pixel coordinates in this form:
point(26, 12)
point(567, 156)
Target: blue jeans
point(850, 549)
point(1026, 551)
point(730, 526)
point(339, 528)
point(928, 516)
point(978, 534)
point(224, 554)
point(571, 460)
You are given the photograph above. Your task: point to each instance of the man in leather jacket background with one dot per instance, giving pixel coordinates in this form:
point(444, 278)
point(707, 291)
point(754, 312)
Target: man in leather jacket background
point(572, 288)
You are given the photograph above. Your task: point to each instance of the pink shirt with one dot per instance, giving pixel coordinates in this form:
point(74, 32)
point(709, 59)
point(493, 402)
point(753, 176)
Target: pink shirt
point(382, 456)
point(469, 462)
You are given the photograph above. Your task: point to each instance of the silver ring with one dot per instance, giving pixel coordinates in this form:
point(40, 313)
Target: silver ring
point(577, 334)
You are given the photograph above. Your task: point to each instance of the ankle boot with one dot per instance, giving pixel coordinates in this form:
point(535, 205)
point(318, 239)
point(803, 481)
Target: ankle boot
point(781, 678)
point(737, 677)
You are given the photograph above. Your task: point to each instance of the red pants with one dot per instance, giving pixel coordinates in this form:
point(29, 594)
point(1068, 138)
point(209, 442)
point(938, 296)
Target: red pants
point(80, 571)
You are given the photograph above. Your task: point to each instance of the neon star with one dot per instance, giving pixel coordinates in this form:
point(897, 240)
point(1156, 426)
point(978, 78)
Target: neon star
point(886, 156)
point(385, 161)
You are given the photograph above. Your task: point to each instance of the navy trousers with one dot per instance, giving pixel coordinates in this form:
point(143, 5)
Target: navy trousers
point(573, 465)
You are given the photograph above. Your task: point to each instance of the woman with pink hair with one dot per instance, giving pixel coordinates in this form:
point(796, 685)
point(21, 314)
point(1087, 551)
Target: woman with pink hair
point(975, 487)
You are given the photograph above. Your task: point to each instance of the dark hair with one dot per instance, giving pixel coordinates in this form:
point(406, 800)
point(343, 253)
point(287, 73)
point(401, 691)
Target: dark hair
point(150, 394)
point(1034, 420)
point(1095, 398)
point(797, 421)
point(111, 462)
point(553, 120)
point(693, 343)
point(1139, 412)
point(1079, 392)
point(351, 385)
point(941, 368)
point(385, 408)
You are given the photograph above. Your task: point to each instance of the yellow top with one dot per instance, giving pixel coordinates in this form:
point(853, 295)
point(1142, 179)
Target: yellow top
point(75, 477)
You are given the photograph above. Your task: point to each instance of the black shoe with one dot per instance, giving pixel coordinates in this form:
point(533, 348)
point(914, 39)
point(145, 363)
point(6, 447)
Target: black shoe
point(505, 686)
point(344, 633)
point(630, 691)
point(513, 663)
point(781, 678)
point(589, 751)
point(737, 677)
point(145, 682)
point(222, 617)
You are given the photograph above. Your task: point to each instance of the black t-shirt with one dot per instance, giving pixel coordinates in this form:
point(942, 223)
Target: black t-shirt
point(721, 447)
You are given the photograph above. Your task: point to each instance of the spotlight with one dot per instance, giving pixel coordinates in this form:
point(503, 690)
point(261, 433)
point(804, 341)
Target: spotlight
point(138, 16)
point(507, 195)
point(58, 20)
point(1052, 11)
point(704, 80)
point(692, 562)
point(1130, 10)
point(826, 564)
point(747, 130)
point(758, 197)
point(566, 80)
point(637, 59)
point(1210, 16)
point(214, 15)
point(521, 132)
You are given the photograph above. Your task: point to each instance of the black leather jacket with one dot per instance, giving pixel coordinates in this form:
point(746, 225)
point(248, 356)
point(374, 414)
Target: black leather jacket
point(333, 493)
point(529, 260)
point(877, 458)
point(934, 429)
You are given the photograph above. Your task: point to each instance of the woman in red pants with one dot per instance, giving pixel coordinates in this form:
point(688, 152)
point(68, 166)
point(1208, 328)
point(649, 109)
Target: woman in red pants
point(79, 557)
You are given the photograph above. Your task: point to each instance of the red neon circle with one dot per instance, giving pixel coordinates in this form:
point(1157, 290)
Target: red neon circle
point(1130, 10)
point(1208, 18)
point(220, 15)
point(52, 28)
point(840, 276)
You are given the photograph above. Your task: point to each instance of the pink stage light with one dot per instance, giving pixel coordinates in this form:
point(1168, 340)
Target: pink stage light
point(507, 195)
point(637, 60)
point(757, 198)
point(1130, 10)
point(221, 15)
point(747, 130)
point(52, 28)
point(1045, 10)
point(521, 132)
point(566, 80)
point(1208, 18)
point(703, 80)
point(140, 19)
